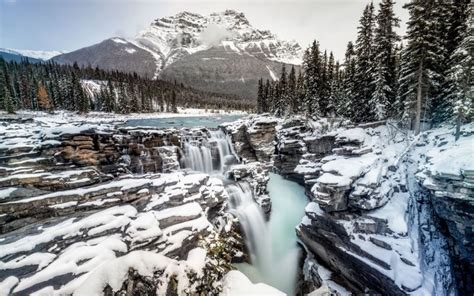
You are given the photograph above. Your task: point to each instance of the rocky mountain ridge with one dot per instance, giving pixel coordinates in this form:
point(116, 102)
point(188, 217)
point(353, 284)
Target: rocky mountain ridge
point(221, 52)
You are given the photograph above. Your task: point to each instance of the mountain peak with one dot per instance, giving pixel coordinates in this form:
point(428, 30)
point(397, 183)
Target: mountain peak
point(187, 33)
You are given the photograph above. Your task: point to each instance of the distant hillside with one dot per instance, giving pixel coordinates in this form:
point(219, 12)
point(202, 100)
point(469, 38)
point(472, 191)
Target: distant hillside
point(10, 56)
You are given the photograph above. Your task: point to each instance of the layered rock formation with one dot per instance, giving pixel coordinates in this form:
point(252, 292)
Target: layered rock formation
point(74, 220)
point(447, 175)
point(369, 221)
point(253, 138)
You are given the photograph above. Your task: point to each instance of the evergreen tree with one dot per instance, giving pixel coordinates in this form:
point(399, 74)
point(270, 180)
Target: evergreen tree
point(300, 93)
point(3, 82)
point(419, 73)
point(312, 69)
point(123, 102)
point(330, 85)
point(281, 98)
point(260, 97)
point(266, 97)
point(291, 92)
point(7, 99)
point(385, 60)
point(346, 105)
point(452, 26)
point(174, 106)
point(462, 75)
point(364, 82)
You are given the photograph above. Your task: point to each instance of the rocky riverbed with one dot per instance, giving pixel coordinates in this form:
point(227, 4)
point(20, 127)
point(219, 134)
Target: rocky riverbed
point(90, 208)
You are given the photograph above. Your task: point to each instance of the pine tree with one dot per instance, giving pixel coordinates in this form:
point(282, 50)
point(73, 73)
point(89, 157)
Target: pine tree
point(330, 85)
point(419, 73)
point(291, 92)
point(462, 75)
point(123, 101)
point(364, 82)
point(452, 26)
point(80, 99)
point(312, 68)
point(385, 60)
point(3, 82)
point(7, 99)
point(300, 93)
point(281, 98)
point(260, 97)
point(323, 88)
point(43, 99)
point(347, 104)
point(174, 107)
point(266, 97)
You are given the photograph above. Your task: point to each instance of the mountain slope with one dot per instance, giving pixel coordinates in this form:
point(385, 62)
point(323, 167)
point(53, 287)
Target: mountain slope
point(9, 56)
point(113, 54)
point(32, 55)
point(219, 52)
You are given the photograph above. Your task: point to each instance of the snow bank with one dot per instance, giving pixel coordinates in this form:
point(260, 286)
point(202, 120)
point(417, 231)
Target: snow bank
point(237, 284)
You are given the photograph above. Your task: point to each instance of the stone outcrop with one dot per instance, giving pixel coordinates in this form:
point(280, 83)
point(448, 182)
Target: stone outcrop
point(71, 213)
point(256, 175)
point(448, 179)
point(363, 212)
point(290, 147)
point(253, 138)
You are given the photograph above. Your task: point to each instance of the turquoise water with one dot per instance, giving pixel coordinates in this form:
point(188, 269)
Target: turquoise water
point(288, 204)
point(207, 121)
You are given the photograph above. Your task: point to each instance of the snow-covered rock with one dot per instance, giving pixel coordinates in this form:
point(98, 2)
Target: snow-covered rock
point(390, 211)
point(73, 221)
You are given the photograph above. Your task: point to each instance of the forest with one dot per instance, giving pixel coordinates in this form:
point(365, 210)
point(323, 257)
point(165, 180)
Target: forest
point(49, 86)
point(425, 80)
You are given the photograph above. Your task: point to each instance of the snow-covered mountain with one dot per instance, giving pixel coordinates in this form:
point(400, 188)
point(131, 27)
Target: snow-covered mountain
point(35, 54)
point(219, 52)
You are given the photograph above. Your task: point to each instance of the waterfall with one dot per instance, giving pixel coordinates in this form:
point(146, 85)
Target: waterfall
point(199, 156)
point(273, 245)
point(252, 221)
point(224, 147)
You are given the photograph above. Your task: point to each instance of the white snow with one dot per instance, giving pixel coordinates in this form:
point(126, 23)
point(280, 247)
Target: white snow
point(237, 284)
point(189, 209)
point(4, 193)
point(37, 54)
point(119, 40)
point(7, 285)
point(453, 161)
point(272, 74)
point(331, 179)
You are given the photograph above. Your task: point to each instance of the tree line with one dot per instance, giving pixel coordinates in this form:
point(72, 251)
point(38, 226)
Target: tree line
point(424, 80)
point(48, 86)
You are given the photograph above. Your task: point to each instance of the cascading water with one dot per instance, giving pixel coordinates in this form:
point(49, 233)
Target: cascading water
point(273, 248)
point(198, 158)
point(253, 224)
point(198, 155)
point(275, 261)
point(224, 147)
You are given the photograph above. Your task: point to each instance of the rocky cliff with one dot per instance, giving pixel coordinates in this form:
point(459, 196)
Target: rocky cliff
point(389, 212)
point(89, 208)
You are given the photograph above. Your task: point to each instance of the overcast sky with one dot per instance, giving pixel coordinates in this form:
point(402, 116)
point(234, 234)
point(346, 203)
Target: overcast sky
point(72, 24)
